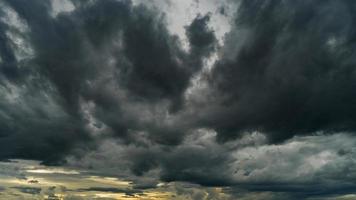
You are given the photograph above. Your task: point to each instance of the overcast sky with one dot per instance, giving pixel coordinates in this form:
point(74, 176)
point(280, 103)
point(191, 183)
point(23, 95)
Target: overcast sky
point(178, 99)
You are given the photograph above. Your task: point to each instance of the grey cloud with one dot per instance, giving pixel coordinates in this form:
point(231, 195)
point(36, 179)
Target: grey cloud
point(289, 72)
point(201, 38)
point(115, 55)
point(198, 159)
point(129, 192)
point(106, 86)
point(29, 190)
point(302, 167)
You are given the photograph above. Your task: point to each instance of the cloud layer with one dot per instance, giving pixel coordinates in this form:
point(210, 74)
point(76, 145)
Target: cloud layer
point(247, 95)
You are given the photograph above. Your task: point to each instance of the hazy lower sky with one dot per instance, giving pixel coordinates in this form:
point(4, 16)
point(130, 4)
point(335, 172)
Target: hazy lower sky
point(177, 99)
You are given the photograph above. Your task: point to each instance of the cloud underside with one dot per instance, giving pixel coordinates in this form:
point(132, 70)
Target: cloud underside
point(266, 104)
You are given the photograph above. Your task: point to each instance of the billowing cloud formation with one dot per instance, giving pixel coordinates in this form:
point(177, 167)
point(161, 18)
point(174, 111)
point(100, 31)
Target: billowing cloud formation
point(251, 95)
point(309, 166)
point(287, 69)
point(105, 54)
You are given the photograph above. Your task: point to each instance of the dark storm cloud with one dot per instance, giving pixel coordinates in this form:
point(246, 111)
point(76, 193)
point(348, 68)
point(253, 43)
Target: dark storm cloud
point(201, 39)
point(200, 166)
point(110, 82)
point(198, 159)
point(9, 68)
point(84, 56)
point(287, 68)
point(304, 191)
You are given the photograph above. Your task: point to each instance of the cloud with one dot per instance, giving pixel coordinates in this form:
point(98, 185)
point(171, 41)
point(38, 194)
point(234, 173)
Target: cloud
point(29, 190)
point(85, 185)
point(308, 166)
point(286, 69)
point(128, 192)
point(112, 55)
point(253, 97)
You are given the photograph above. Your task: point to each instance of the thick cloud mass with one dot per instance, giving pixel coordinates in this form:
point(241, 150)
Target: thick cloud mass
point(104, 52)
point(114, 86)
point(293, 71)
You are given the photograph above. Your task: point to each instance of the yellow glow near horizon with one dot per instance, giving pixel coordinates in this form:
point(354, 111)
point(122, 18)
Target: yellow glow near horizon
point(52, 171)
point(71, 183)
point(109, 181)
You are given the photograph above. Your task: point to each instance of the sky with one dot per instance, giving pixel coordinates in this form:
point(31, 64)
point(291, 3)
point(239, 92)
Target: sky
point(168, 99)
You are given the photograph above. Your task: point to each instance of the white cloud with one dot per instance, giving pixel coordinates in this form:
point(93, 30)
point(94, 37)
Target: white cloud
point(59, 6)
